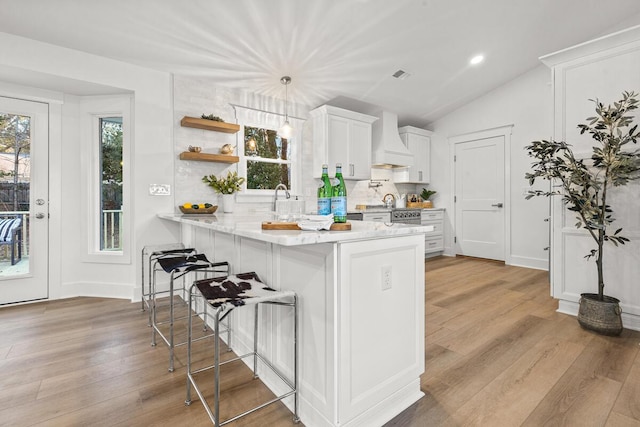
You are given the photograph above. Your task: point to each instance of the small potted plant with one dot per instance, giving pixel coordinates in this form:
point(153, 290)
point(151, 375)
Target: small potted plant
point(226, 186)
point(583, 184)
point(425, 195)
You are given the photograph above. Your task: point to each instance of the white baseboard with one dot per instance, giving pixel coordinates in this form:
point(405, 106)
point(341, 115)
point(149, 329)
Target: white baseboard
point(536, 263)
point(392, 406)
point(629, 321)
point(96, 289)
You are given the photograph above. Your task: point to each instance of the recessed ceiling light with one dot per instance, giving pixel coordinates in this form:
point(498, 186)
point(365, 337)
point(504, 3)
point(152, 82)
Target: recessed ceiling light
point(476, 60)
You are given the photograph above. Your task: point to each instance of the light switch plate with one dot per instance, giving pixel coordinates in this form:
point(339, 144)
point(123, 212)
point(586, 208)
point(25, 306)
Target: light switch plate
point(160, 189)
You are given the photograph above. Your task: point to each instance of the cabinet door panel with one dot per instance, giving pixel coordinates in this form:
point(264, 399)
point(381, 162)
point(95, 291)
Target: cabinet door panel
point(338, 143)
point(359, 151)
point(419, 145)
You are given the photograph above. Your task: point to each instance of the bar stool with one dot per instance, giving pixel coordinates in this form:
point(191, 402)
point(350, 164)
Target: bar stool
point(178, 266)
point(151, 254)
point(225, 294)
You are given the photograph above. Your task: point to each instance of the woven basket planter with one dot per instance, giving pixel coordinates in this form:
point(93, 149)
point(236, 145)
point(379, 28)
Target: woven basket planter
point(603, 317)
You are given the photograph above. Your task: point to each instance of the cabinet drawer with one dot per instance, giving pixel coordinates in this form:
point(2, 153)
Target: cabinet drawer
point(377, 217)
point(432, 215)
point(437, 226)
point(433, 244)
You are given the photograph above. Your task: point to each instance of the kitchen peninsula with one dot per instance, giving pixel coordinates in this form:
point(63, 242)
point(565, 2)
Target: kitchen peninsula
point(361, 295)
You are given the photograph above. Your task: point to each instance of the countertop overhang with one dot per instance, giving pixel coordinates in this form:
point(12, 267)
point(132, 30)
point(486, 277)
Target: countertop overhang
point(250, 226)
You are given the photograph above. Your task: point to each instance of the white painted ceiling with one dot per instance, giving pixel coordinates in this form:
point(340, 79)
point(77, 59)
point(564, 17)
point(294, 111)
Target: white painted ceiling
point(339, 51)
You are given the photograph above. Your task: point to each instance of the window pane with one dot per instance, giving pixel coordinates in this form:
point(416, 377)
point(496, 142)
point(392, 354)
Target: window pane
point(15, 182)
point(265, 144)
point(111, 183)
point(266, 176)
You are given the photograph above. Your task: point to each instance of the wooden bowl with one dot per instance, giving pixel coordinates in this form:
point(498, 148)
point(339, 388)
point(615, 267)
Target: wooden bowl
point(201, 211)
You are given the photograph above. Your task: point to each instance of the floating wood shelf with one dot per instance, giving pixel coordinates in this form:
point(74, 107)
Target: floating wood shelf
point(205, 157)
point(194, 122)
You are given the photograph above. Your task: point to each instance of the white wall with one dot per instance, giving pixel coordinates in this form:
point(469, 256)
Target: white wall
point(64, 70)
point(525, 103)
point(194, 96)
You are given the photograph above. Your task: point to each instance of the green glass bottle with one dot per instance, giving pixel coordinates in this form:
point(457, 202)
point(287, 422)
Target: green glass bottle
point(339, 197)
point(325, 192)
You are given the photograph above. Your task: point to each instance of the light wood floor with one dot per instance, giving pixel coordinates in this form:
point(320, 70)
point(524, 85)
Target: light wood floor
point(497, 354)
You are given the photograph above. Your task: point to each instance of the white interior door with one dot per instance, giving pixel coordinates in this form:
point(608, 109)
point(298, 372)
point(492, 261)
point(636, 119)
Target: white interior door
point(480, 197)
point(24, 170)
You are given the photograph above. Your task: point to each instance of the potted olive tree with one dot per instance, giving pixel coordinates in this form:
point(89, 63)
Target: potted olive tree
point(583, 184)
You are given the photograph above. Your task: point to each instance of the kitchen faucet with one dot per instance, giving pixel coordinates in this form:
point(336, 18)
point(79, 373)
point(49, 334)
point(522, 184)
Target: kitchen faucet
point(275, 195)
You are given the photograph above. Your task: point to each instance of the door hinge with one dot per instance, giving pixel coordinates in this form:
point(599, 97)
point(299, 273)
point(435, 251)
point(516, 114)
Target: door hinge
point(455, 239)
point(455, 158)
point(455, 199)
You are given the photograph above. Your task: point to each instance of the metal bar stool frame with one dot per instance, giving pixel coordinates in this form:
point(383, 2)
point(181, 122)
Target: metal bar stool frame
point(152, 253)
point(219, 314)
point(196, 263)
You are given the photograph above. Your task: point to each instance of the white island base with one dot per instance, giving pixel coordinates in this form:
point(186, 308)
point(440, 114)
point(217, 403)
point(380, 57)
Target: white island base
point(361, 299)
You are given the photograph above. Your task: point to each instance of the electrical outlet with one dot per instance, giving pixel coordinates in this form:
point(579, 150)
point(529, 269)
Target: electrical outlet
point(386, 277)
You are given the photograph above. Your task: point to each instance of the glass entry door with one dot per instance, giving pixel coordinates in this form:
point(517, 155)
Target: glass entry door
point(24, 214)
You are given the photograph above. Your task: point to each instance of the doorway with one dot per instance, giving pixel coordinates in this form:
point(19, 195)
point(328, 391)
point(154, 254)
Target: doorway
point(24, 215)
point(481, 193)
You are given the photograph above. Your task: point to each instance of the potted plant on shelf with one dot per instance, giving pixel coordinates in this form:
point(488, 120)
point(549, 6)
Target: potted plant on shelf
point(583, 184)
point(425, 195)
point(226, 186)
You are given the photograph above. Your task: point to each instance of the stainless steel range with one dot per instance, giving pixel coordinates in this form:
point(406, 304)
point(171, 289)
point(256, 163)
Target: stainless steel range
point(406, 216)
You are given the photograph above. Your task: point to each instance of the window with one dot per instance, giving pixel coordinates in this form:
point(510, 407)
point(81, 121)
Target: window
point(105, 198)
point(268, 159)
point(110, 137)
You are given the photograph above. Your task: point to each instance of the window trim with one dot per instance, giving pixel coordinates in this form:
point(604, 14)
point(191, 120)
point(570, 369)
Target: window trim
point(94, 108)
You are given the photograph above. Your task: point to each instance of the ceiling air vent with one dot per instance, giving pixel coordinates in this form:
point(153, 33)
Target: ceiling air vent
point(401, 74)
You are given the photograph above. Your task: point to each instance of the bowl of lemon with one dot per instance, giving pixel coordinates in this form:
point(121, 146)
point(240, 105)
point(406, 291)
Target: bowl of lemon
point(198, 208)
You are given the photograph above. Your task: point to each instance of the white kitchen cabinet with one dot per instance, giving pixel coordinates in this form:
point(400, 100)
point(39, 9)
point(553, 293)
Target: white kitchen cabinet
point(418, 142)
point(342, 136)
point(433, 240)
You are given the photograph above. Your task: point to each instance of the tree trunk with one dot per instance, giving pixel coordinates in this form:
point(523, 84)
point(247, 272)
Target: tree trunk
point(599, 265)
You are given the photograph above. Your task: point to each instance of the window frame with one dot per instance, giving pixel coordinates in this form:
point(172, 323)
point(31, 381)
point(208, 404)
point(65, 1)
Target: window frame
point(272, 121)
point(95, 108)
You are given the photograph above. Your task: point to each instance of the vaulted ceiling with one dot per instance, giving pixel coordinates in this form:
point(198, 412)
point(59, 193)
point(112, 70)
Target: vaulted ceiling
point(343, 50)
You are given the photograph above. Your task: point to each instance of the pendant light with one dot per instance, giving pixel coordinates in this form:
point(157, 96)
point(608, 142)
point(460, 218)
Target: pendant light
point(285, 130)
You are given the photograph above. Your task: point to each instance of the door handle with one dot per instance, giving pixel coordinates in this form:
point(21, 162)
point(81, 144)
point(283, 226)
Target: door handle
point(39, 215)
point(352, 169)
point(497, 205)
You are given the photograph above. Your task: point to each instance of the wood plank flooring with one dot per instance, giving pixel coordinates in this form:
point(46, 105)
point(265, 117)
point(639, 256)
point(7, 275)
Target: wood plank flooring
point(497, 354)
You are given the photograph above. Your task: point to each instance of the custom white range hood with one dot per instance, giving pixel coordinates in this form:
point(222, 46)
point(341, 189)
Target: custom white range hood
point(387, 147)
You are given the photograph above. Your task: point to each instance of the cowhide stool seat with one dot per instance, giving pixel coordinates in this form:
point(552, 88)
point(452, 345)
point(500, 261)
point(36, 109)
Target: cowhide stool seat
point(178, 266)
point(226, 294)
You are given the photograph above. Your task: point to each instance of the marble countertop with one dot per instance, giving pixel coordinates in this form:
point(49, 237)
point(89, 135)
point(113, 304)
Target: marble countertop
point(250, 226)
